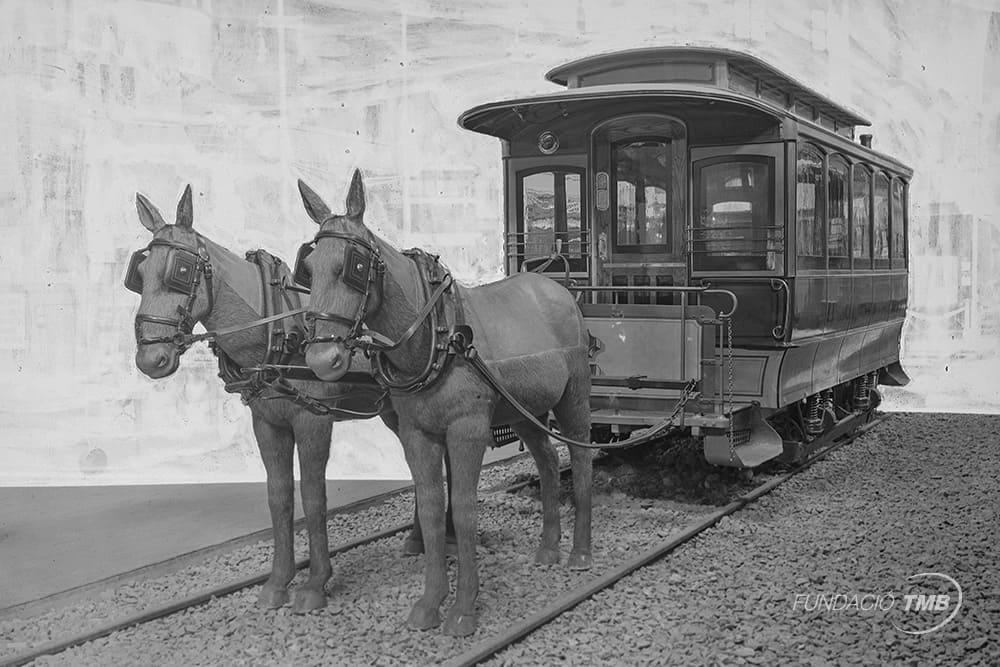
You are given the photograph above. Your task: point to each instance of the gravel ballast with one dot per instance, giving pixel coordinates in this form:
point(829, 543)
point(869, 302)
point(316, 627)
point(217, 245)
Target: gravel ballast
point(919, 493)
point(916, 494)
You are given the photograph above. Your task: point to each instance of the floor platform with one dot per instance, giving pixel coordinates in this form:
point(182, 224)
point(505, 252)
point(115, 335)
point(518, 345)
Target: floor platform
point(62, 540)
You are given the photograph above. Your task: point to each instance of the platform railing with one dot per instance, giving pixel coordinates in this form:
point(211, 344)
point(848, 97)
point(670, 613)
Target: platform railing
point(721, 320)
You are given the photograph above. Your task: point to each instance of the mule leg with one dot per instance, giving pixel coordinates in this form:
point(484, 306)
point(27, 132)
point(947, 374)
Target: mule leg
point(466, 443)
point(414, 543)
point(573, 414)
point(547, 462)
point(423, 455)
point(276, 445)
point(313, 435)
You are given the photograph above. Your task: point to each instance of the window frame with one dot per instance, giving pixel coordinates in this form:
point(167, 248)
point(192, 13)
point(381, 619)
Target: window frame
point(632, 248)
point(863, 261)
point(770, 164)
point(882, 262)
point(898, 261)
point(839, 262)
point(812, 262)
point(577, 265)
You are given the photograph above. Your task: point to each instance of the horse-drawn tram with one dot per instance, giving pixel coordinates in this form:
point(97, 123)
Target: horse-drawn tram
point(736, 250)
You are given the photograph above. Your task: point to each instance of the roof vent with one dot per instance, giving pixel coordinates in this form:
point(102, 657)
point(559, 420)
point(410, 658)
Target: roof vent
point(866, 140)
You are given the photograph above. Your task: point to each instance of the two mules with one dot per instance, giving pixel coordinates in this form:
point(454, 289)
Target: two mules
point(531, 334)
point(184, 278)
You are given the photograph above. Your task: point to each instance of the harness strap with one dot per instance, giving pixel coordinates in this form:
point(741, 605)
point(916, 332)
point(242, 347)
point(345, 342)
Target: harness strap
point(461, 342)
point(431, 272)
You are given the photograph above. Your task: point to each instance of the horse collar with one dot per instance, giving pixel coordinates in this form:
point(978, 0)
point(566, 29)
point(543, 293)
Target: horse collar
point(436, 307)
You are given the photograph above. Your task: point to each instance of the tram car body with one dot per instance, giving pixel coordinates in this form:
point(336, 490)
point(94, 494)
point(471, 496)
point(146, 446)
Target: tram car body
point(739, 254)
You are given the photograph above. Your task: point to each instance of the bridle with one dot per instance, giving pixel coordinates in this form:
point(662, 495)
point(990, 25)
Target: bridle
point(363, 272)
point(185, 273)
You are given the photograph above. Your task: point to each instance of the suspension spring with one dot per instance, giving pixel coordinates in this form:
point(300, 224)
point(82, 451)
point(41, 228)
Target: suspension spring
point(862, 392)
point(814, 415)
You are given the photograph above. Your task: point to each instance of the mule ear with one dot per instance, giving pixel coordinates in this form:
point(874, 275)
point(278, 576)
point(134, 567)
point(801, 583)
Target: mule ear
point(356, 196)
point(185, 209)
point(315, 206)
point(149, 216)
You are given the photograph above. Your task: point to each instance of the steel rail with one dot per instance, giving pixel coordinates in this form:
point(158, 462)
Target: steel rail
point(206, 595)
point(511, 635)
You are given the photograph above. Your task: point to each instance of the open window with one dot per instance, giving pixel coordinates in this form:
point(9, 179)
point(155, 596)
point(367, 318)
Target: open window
point(550, 217)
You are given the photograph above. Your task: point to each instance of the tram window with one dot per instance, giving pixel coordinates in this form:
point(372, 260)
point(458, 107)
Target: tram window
point(880, 222)
point(861, 216)
point(642, 195)
point(897, 244)
point(550, 218)
point(837, 213)
point(809, 208)
point(734, 229)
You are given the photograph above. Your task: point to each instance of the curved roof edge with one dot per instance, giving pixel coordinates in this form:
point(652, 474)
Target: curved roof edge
point(572, 73)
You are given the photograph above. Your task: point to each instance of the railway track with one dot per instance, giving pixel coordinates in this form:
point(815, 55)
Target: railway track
point(488, 647)
point(482, 648)
point(206, 595)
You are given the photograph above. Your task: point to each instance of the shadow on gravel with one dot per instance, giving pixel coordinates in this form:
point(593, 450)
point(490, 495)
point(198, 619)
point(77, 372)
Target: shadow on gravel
point(669, 469)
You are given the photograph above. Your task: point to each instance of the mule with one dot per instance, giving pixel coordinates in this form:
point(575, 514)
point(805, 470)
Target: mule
point(171, 276)
point(531, 334)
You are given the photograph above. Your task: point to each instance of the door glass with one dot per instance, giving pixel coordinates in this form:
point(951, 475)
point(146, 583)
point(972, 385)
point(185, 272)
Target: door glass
point(550, 218)
point(642, 185)
point(733, 227)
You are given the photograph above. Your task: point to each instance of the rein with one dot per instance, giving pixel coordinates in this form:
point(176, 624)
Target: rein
point(281, 344)
point(375, 345)
point(460, 343)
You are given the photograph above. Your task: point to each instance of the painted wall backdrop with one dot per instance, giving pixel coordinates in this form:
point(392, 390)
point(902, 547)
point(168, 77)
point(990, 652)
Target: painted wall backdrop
point(240, 98)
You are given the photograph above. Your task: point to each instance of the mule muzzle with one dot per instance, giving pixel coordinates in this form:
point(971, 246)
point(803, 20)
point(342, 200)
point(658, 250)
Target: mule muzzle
point(329, 361)
point(157, 361)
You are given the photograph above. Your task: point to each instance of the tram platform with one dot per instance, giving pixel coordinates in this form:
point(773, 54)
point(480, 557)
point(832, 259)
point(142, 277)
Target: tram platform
point(55, 541)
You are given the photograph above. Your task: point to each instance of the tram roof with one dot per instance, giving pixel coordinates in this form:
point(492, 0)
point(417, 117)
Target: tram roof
point(701, 72)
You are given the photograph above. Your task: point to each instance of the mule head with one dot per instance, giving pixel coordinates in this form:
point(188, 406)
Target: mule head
point(170, 275)
point(343, 269)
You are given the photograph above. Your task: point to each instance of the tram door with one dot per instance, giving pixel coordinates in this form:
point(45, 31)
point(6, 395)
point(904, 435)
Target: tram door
point(639, 204)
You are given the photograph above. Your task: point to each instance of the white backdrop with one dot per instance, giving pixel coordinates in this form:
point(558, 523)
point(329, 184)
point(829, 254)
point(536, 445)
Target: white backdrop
point(242, 97)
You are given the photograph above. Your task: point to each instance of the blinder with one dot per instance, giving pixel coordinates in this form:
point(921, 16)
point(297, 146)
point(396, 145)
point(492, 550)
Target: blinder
point(363, 271)
point(180, 272)
point(183, 271)
point(357, 264)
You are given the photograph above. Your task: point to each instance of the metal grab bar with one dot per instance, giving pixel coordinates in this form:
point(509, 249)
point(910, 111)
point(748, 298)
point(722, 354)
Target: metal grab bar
point(705, 289)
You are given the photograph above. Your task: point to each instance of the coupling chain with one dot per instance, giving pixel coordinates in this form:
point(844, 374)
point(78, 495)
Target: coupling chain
point(729, 354)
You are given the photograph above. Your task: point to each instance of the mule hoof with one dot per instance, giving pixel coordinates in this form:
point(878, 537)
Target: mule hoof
point(579, 560)
point(272, 598)
point(306, 600)
point(457, 624)
point(547, 556)
point(413, 547)
point(423, 618)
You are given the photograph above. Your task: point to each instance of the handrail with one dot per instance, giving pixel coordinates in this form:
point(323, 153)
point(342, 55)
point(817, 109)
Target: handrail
point(778, 332)
point(703, 289)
